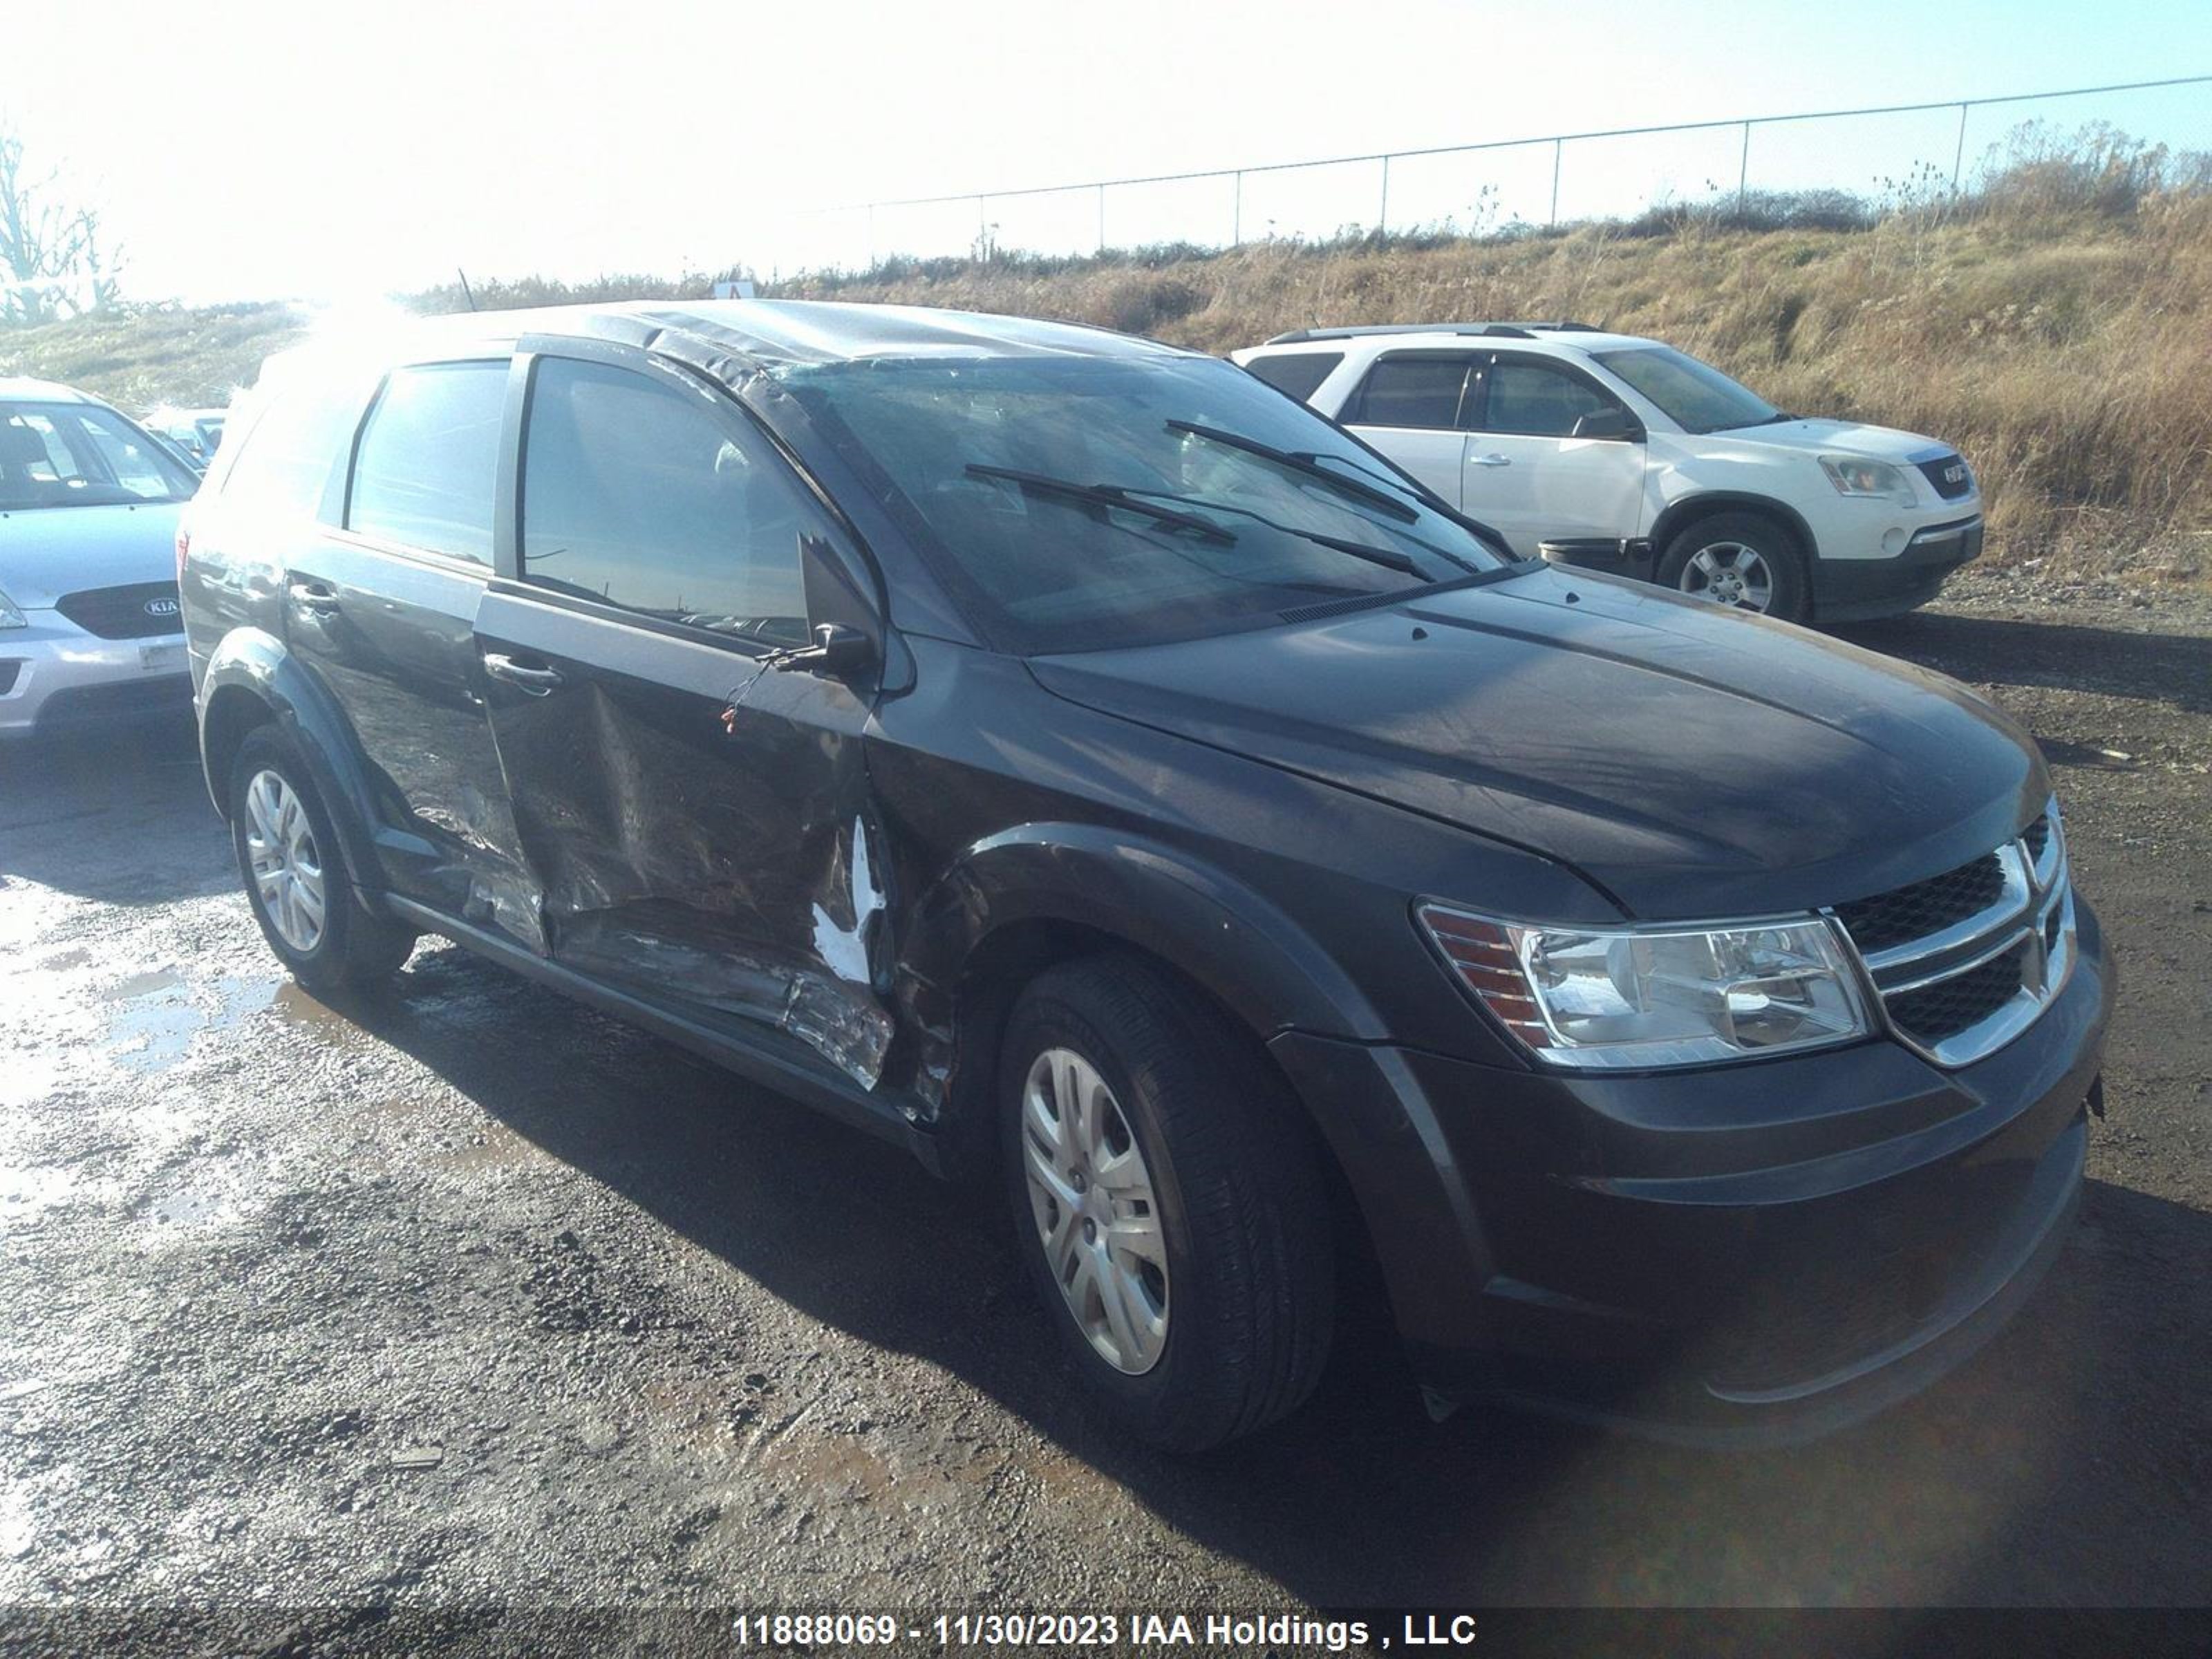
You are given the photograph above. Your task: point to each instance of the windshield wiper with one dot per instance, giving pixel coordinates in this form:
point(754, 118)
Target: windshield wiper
point(1388, 558)
point(1305, 461)
point(1109, 495)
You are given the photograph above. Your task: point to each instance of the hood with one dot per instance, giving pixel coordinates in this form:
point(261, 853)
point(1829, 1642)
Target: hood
point(1690, 761)
point(46, 552)
point(1878, 443)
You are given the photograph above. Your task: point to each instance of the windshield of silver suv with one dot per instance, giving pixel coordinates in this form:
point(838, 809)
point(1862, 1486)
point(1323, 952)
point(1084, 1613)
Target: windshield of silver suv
point(1087, 503)
point(82, 455)
point(1695, 396)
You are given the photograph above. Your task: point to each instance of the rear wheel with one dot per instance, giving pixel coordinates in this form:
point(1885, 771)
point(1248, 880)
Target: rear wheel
point(1168, 1201)
point(295, 875)
point(1740, 561)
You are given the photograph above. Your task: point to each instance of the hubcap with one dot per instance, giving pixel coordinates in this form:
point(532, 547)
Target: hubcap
point(288, 871)
point(1731, 574)
point(1097, 1220)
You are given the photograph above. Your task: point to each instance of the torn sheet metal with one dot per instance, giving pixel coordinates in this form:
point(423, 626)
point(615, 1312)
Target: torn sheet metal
point(712, 846)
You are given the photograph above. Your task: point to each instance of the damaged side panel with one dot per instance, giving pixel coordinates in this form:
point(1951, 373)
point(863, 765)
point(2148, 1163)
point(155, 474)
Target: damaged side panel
point(699, 825)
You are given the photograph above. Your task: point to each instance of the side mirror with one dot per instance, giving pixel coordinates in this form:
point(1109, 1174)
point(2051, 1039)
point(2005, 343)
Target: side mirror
point(840, 651)
point(1614, 423)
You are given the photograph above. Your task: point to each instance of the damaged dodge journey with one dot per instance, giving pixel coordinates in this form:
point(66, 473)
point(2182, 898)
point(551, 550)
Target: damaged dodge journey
point(1068, 758)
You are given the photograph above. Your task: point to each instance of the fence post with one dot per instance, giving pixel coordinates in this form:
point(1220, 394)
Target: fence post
point(1382, 218)
point(1237, 212)
point(871, 236)
point(1959, 154)
point(1743, 169)
point(1102, 218)
point(1557, 145)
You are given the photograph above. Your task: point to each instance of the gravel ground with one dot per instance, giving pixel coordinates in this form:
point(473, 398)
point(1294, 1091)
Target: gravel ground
point(471, 1298)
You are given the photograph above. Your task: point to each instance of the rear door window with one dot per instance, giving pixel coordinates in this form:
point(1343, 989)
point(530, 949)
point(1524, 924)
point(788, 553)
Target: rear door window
point(634, 495)
point(428, 465)
point(1299, 373)
point(1424, 391)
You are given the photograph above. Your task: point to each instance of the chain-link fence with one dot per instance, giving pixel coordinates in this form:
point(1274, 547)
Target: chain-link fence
point(1899, 154)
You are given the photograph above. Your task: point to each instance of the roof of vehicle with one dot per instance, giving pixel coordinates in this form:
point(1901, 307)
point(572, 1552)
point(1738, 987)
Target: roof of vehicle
point(1579, 336)
point(791, 331)
point(20, 388)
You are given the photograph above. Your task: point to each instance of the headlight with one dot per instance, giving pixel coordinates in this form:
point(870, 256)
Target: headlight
point(1657, 996)
point(1853, 475)
point(10, 616)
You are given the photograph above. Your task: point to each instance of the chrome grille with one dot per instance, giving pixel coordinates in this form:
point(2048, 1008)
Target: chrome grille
point(1965, 961)
point(1925, 907)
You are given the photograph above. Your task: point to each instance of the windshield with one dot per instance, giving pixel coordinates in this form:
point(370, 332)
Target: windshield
point(1695, 396)
point(82, 455)
point(1082, 504)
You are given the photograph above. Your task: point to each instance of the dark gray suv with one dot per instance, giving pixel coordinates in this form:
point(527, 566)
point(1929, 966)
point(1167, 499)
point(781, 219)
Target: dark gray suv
point(1065, 757)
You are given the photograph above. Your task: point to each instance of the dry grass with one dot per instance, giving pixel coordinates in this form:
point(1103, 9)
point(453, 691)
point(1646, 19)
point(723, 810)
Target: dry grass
point(2055, 325)
point(2068, 354)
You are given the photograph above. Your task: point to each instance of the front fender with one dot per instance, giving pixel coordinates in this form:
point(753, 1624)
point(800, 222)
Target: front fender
point(253, 664)
point(1255, 959)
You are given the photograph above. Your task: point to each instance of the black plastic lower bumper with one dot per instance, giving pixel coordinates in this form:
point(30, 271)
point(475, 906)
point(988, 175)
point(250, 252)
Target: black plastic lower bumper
point(1856, 589)
point(1740, 1253)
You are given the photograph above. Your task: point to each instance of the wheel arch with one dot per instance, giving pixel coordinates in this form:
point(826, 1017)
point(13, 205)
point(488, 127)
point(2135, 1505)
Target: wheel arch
point(1680, 515)
point(252, 680)
point(1042, 894)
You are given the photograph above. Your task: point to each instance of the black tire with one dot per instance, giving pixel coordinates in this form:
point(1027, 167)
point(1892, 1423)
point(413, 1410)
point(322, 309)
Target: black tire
point(1791, 597)
point(356, 949)
point(1243, 1207)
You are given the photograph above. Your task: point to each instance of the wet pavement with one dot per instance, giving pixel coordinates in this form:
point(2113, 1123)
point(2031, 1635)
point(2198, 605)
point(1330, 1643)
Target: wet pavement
point(468, 1295)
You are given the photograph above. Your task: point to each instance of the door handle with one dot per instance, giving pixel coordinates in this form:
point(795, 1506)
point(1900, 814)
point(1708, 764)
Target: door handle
point(537, 681)
point(1492, 459)
point(313, 596)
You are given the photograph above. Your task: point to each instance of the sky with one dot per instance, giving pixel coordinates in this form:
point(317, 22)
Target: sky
point(336, 152)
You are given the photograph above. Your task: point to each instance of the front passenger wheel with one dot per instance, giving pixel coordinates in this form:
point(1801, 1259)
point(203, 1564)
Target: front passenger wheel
point(1168, 1203)
point(295, 874)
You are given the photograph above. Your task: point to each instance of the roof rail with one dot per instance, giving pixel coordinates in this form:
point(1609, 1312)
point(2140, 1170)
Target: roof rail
point(1497, 331)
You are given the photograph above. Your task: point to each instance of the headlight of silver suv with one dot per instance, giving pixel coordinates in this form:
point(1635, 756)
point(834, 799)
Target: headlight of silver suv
point(1853, 475)
point(10, 617)
point(1647, 997)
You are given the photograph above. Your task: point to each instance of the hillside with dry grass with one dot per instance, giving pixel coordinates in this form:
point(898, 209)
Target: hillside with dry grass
point(2055, 325)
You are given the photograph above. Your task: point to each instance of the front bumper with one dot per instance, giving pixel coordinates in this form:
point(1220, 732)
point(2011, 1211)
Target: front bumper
point(54, 675)
point(1856, 589)
point(1738, 1254)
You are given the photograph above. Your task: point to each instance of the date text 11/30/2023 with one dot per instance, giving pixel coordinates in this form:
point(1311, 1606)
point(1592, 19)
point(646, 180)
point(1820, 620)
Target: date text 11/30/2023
point(1415, 1631)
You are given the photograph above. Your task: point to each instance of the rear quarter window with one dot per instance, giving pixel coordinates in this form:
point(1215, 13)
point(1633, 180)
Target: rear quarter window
point(293, 448)
point(1298, 373)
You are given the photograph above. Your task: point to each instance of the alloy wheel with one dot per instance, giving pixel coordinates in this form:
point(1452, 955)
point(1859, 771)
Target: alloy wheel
point(288, 870)
point(1730, 573)
point(1097, 1220)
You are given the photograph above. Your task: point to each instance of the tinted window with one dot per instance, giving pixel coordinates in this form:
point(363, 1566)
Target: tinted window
point(291, 450)
point(633, 494)
point(1296, 373)
point(993, 466)
point(1539, 400)
point(1419, 392)
point(54, 455)
point(1695, 396)
point(429, 459)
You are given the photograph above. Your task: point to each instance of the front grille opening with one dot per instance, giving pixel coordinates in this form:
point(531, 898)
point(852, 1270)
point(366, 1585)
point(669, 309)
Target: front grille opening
point(9, 669)
point(1943, 1010)
point(2038, 837)
point(1925, 908)
point(1949, 475)
point(122, 613)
